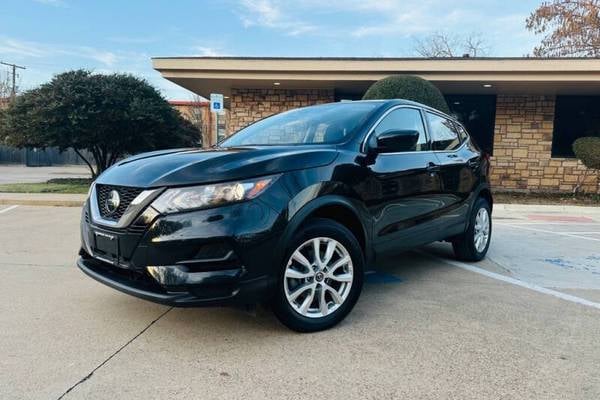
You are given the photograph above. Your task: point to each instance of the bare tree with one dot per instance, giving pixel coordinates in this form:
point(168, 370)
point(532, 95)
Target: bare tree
point(197, 111)
point(571, 28)
point(5, 86)
point(439, 45)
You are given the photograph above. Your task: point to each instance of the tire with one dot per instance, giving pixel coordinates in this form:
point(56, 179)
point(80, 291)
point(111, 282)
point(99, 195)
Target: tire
point(298, 303)
point(465, 246)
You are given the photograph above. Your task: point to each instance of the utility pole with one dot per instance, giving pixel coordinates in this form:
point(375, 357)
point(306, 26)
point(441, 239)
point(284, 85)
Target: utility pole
point(13, 92)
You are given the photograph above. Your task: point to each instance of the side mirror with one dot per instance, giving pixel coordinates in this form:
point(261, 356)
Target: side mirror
point(394, 141)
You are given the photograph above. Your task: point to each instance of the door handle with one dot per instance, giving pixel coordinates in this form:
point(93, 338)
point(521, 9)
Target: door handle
point(452, 155)
point(473, 163)
point(432, 167)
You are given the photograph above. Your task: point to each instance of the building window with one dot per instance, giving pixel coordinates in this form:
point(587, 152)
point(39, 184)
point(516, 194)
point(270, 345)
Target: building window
point(574, 117)
point(478, 115)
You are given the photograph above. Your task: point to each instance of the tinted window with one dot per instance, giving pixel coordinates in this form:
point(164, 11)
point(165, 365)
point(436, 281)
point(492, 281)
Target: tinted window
point(329, 123)
point(478, 115)
point(574, 117)
point(404, 119)
point(462, 133)
point(443, 133)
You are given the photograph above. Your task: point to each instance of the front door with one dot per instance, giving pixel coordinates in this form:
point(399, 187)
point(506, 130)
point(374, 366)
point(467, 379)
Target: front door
point(402, 187)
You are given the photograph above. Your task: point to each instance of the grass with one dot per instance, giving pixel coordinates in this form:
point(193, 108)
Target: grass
point(62, 185)
point(580, 199)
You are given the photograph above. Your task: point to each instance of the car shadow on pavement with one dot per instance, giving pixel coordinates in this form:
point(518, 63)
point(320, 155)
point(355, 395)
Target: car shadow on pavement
point(384, 283)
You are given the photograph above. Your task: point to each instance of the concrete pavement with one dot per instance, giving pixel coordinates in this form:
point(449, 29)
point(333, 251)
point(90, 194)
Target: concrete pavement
point(434, 332)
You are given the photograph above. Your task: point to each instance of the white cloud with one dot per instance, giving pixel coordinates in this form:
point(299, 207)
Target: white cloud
point(133, 39)
point(21, 49)
point(270, 14)
point(204, 51)
point(54, 3)
point(387, 20)
point(105, 57)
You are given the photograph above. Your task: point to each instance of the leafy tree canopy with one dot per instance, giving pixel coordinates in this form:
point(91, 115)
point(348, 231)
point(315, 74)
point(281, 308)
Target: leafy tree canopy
point(109, 116)
point(571, 28)
point(408, 87)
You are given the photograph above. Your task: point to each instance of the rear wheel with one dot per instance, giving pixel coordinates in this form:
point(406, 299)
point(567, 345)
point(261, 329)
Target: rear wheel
point(475, 242)
point(321, 279)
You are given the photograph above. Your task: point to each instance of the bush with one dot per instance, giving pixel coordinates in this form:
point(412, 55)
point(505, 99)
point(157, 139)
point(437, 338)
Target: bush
point(407, 87)
point(587, 149)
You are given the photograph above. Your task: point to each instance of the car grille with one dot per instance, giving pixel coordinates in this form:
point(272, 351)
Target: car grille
point(127, 194)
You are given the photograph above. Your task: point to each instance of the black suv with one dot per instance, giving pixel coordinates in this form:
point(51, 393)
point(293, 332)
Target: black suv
point(289, 210)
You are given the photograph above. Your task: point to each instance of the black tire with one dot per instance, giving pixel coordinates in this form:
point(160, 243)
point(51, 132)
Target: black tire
point(325, 228)
point(464, 245)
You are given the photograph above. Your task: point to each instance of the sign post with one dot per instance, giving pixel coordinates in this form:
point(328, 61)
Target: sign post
point(216, 106)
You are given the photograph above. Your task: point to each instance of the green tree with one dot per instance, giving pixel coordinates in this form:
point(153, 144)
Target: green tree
point(587, 149)
point(107, 116)
point(408, 87)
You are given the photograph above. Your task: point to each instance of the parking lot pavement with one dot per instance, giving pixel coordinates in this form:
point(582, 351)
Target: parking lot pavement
point(425, 327)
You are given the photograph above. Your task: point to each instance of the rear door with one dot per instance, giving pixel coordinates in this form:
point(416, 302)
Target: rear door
point(457, 165)
point(402, 187)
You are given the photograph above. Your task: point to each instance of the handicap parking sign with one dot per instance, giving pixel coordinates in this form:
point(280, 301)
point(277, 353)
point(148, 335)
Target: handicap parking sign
point(216, 102)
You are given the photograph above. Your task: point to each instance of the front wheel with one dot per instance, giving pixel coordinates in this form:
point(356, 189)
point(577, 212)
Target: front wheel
point(321, 279)
point(475, 242)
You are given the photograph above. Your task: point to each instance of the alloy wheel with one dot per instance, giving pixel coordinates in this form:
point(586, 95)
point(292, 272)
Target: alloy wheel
point(318, 277)
point(482, 230)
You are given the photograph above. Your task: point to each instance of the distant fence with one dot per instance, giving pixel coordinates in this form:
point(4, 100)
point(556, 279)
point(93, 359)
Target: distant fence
point(39, 157)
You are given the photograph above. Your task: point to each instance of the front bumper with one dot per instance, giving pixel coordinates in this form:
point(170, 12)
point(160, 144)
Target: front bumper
point(225, 255)
point(135, 284)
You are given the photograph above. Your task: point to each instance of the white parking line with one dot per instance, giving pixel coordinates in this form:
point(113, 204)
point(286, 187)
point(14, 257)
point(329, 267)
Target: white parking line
point(527, 285)
point(582, 233)
point(546, 231)
point(8, 209)
point(549, 223)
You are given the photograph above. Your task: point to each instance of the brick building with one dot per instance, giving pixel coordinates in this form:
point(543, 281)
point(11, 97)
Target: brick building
point(526, 112)
point(198, 113)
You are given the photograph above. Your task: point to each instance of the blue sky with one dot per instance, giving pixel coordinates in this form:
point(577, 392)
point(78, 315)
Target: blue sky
point(51, 36)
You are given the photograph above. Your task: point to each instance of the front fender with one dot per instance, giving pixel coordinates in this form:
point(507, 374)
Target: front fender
point(311, 199)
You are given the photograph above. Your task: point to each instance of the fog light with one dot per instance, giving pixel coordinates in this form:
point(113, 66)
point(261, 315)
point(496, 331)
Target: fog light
point(174, 275)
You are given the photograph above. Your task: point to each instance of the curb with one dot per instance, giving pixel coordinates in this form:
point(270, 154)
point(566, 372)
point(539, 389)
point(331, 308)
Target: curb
point(40, 202)
point(551, 208)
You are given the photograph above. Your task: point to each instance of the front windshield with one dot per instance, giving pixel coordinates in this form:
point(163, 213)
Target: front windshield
point(324, 124)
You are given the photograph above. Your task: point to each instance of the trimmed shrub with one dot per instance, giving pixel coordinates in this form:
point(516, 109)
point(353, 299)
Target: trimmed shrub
point(407, 87)
point(587, 149)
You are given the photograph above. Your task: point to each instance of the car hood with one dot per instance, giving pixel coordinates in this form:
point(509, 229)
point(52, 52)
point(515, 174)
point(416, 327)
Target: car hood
point(181, 167)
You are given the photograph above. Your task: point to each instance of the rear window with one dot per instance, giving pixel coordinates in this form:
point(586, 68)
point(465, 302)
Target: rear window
point(443, 133)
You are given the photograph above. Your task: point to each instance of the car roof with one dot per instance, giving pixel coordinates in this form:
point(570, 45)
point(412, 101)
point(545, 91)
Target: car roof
point(388, 103)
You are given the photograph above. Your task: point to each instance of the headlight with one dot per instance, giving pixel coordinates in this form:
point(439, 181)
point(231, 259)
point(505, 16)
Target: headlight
point(206, 196)
point(89, 193)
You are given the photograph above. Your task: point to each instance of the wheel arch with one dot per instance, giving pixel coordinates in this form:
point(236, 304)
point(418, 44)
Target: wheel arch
point(485, 192)
point(336, 208)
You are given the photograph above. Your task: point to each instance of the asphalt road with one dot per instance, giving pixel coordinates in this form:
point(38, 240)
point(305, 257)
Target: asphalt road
point(523, 324)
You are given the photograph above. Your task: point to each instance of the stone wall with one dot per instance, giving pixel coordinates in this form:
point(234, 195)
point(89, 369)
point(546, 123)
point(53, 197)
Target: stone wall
point(522, 158)
point(249, 105)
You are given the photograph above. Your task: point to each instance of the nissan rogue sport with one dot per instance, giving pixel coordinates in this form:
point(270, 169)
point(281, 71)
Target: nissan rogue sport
point(288, 211)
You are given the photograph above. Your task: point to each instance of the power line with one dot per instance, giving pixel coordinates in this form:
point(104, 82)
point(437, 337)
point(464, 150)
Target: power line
point(14, 76)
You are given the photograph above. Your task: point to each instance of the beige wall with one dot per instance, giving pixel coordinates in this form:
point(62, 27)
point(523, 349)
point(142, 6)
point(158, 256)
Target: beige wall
point(523, 145)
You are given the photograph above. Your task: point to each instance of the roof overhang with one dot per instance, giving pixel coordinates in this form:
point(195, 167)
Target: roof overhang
point(205, 75)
